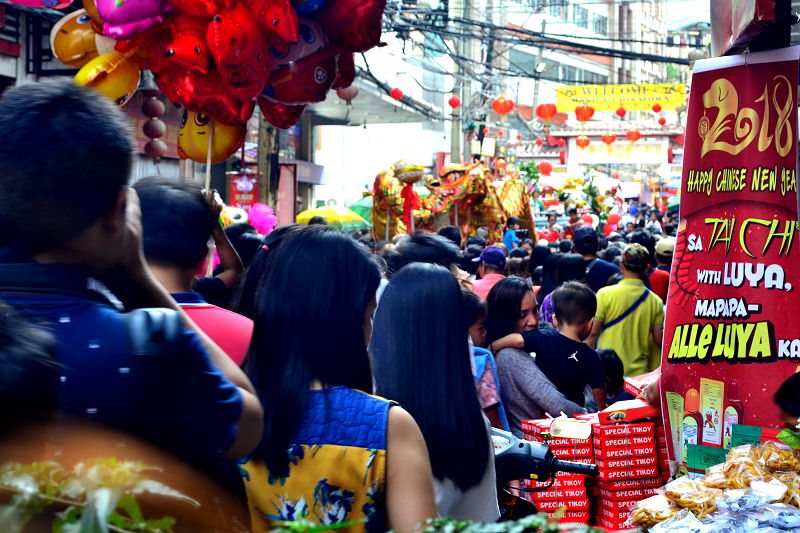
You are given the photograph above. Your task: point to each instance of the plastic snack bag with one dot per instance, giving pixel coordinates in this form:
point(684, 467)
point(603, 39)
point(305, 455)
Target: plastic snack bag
point(683, 522)
point(693, 495)
point(715, 477)
point(782, 516)
point(778, 457)
point(653, 510)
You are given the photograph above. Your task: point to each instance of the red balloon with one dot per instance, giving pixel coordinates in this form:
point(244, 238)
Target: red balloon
point(239, 51)
point(396, 93)
point(306, 72)
point(614, 218)
point(662, 121)
point(282, 116)
point(608, 229)
point(205, 94)
point(345, 70)
point(278, 21)
point(587, 219)
point(354, 25)
point(545, 167)
point(188, 48)
point(656, 108)
point(454, 102)
point(621, 112)
point(203, 8)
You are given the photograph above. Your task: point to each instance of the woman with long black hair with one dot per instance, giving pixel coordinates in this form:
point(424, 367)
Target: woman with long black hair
point(525, 390)
point(428, 372)
point(330, 453)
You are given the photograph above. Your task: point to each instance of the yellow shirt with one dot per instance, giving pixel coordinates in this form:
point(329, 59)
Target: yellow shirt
point(632, 338)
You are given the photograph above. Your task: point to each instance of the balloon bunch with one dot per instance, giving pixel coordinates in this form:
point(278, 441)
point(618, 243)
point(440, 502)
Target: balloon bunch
point(218, 58)
point(263, 218)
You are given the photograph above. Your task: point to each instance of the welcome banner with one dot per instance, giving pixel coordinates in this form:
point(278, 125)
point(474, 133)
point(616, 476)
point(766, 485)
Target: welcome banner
point(732, 332)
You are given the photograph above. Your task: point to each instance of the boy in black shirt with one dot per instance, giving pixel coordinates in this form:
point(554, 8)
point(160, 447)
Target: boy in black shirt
point(563, 357)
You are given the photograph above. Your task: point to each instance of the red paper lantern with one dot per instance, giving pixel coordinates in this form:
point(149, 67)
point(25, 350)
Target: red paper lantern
point(546, 112)
point(616, 175)
point(621, 112)
point(500, 165)
point(608, 138)
point(562, 156)
point(582, 141)
point(539, 142)
point(486, 131)
point(519, 136)
point(679, 139)
point(633, 135)
point(656, 108)
point(396, 93)
point(561, 142)
point(545, 168)
point(584, 112)
point(500, 133)
point(502, 105)
point(662, 121)
point(454, 102)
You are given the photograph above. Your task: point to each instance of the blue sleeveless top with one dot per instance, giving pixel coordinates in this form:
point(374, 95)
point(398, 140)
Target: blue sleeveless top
point(337, 466)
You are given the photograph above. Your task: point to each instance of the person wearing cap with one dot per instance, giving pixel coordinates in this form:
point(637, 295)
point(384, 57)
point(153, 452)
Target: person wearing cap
point(664, 249)
point(598, 271)
point(492, 264)
point(630, 317)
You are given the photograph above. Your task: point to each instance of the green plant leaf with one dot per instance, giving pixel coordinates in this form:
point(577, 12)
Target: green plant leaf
point(790, 438)
point(129, 504)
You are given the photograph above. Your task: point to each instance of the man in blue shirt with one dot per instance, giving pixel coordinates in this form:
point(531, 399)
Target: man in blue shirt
point(598, 271)
point(510, 239)
point(70, 225)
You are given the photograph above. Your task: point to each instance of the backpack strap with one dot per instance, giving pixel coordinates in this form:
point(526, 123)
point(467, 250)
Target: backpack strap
point(628, 311)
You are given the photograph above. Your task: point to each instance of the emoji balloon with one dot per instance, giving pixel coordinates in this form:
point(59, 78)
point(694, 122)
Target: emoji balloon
point(112, 75)
point(72, 39)
point(306, 72)
point(278, 21)
point(282, 116)
point(194, 135)
point(91, 10)
point(354, 25)
point(124, 18)
point(239, 51)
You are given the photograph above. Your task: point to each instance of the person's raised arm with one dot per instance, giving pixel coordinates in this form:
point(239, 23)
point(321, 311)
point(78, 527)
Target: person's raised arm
point(514, 340)
point(229, 260)
point(534, 386)
point(410, 499)
point(150, 293)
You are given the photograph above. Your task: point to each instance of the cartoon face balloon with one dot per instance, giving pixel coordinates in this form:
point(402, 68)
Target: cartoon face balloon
point(306, 72)
point(278, 21)
point(188, 48)
point(72, 39)
point(239, 52)
point(124, 18)
point(112, 75)
point(194, 135)
point(205, 94)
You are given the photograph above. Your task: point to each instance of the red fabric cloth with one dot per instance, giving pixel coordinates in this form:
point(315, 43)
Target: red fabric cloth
point(230, 331)
point(659, 284)
point(481, 287)
point(410, 202)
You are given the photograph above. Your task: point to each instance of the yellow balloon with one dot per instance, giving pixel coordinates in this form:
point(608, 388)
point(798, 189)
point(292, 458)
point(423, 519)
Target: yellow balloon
point(72, 39)
point(112, 75)
point(194, 135)
point(91, 10)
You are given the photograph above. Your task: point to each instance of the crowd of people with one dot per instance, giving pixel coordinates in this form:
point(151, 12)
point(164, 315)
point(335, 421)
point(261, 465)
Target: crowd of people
point(261, 373)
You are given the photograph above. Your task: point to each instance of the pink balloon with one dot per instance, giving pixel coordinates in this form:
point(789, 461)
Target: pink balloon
point(125, 19)
point(262, 218)
point(54, 4)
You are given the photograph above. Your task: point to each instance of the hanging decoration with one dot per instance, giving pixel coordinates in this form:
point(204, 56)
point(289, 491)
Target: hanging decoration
point(500, 133)
point(519, 136)
point(502, 105)
point(584, 112)
point(656, 108)
point(562, 157)
point(546, 112)
point(561, 142)
point(454, 102)
point(582, 141)
point(545, 168)
point(396, 93)
point(154, 128)
point(539, 142)
point(678, 139)
point(409, 174)
point(348, 94)
point(486, 131)
point(608, 138)
point(633, 135)
point(662, 121)
point(501, 165)
point(621, 112)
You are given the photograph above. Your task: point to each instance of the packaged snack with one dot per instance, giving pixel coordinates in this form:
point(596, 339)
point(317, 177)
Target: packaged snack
point(653, 510)
point(559, 494)
point(792, 482)
point(626, 462)
point(624, 430)
point(641, 483)
point(623, 442)
point(739, 500)
point(715, 478)
point(693, 495)
point(626, 494)
point(617, 453)
point(629, 473)
point(725, 523)
point(682, 522)
point(782, 516)
point(570, 505)
point(778, 457)
point(742, 467)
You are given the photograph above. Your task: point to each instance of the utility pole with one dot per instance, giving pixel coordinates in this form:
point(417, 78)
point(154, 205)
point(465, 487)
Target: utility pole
point(458, 90)
point(539, 54)
point(267, 161)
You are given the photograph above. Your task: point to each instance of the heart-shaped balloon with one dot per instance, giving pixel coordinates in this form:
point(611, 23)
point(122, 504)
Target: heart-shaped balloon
point(282, 116)
point(345, 70)
point(204, 94)
point(278, 21)
point(239, 51)
point(354, 25)
point(124, 18)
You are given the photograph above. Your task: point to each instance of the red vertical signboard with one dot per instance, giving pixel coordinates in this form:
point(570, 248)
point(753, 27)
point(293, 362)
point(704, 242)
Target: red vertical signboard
point(243, 190)
point(732, 333)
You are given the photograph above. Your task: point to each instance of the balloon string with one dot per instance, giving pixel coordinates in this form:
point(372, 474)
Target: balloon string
point(208, 155)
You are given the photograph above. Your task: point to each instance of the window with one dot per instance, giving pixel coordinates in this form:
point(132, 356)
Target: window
point(558, 8)
point(538, 5)
point(600, 25)
point(580, 16)
point(522, 61)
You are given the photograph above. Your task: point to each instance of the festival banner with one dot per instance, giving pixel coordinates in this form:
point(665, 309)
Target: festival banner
point(633, 97)
point(243, 190)
point(732, 333)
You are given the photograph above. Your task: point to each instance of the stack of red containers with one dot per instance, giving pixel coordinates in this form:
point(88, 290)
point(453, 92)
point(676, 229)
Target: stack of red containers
point(568, 491)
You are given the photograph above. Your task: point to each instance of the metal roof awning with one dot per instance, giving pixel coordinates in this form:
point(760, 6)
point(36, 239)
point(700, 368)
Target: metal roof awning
point(371, 106)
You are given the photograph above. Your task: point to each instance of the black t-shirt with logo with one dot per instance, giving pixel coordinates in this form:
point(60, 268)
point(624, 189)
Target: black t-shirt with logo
point(569, 364)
